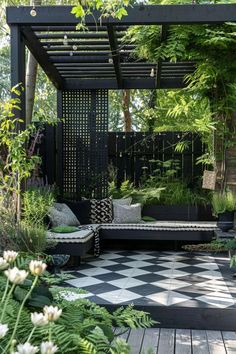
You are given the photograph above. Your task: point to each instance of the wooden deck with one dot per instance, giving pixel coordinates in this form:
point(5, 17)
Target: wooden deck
point(180, 341)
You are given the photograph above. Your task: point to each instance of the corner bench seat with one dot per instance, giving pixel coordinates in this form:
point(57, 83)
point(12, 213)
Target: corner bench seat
point(80, 242)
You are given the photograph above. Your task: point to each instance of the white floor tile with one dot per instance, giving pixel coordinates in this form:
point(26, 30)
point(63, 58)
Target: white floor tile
point(168, 298)
point(138, 264)
point(85, 281)
point(119, 296)
point(132, 272)
point(125, 283)
point(218, 299)
point(211, 274)
point(171, 273)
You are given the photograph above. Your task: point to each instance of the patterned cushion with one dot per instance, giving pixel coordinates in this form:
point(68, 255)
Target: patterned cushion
point(60, 214)
point(101, 211)
point(124, 214)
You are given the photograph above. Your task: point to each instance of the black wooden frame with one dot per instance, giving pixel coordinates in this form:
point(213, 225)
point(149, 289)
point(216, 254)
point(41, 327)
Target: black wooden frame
point(98, 58)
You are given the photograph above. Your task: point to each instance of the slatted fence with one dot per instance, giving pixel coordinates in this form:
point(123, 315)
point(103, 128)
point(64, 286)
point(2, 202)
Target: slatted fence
point(134, 154)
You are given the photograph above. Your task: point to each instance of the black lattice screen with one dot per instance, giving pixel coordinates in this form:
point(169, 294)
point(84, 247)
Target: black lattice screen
point(84, 143)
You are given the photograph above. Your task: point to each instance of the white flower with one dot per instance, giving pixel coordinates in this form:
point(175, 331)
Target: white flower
point(3, 264)
point(48, 348)
point(38, 319)
point(52, 313)
point(37, 267)
point(26, 348)
point(10, 256)
point(3, 330)
point(15, 275)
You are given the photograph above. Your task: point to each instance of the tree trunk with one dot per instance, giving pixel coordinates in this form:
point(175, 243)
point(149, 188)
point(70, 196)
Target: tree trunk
point(126, 111)
point(30, 79)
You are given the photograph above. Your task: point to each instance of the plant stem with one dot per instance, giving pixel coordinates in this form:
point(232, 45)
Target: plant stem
point(5, 291)
point(50, 331)
point(6, 301)
point(31, 333)
point(20, 310)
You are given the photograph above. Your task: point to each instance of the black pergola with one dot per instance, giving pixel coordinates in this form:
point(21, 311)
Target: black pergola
point(84, 65)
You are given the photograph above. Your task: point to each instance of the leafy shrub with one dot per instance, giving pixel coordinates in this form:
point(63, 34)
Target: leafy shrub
point(223, 201)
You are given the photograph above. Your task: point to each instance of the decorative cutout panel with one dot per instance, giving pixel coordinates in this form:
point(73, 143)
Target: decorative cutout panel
point(84, 143)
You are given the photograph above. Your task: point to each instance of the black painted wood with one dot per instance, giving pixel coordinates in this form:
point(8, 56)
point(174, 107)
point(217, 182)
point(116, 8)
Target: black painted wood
point(18, 70)
point(138, 15)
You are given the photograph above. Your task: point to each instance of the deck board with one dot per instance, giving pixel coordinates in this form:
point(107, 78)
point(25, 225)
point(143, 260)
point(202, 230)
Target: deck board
point(183, 342)
point(215, 342)
point(230, 342)
point(166, 341)
point(150, 339)
point(199, 342)
point(179, 341)
point(135, 340)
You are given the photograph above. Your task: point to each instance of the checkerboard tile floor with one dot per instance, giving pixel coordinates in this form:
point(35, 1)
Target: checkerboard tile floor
point(157, 278)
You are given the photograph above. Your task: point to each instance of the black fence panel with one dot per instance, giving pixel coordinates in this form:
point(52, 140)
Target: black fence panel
point(133, 155)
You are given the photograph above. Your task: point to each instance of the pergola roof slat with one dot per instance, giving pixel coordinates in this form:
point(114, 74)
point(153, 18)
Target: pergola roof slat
point(101, 57)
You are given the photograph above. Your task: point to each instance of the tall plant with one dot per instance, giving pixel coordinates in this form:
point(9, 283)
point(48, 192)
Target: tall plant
point(16, 162)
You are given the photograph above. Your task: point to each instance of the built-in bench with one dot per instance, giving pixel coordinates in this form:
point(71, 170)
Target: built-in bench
point(80, 242)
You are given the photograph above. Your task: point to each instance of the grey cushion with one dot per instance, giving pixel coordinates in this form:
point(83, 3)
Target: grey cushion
point(124, 214)
point(60, 214)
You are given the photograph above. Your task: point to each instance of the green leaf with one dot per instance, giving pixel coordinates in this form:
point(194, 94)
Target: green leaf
point(78, 11)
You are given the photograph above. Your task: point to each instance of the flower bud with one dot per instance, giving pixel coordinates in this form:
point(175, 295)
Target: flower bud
point(38, 319)
point(15, 275)
point(10, 256)
point(52, 313)
point(48, 348)
point(3, 330)
point(3, 264)
point(37, 267)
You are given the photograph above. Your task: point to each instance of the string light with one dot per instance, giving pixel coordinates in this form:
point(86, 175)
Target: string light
point(71, 54)
point(110, 61)
point(152, 73)
point(33, 12)
point(65, 40)
point(75, 47)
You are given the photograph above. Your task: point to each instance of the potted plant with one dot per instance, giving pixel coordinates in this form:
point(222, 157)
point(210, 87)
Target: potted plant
point(224, 206)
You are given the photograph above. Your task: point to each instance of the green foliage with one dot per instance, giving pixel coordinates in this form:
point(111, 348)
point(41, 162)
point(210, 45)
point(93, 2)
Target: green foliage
point(107, 8)
point(147, 195)
point(83, 327)
point(36, 204)
point(223, 201)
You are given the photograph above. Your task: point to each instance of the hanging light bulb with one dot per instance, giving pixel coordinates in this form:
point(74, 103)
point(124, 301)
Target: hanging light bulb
point(75, 47)
point(33, 12)
point(65, 40)
point(152, 73)
point(110, 61)
point(71, 54)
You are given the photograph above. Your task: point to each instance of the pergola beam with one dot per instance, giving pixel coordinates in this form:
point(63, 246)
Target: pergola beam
point(115, 54)
point(138, 15)
point(42, 57)
point(145, 83)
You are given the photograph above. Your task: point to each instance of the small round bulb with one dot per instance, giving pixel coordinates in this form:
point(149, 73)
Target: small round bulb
point(33, 12)
point(152, 73)
point(75, 47)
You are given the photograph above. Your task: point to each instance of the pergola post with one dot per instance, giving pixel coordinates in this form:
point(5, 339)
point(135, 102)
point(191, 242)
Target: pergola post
point(18, 68)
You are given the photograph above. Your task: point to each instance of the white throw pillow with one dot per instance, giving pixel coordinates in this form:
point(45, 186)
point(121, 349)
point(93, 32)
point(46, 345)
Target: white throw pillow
point(125, 214)
point(61, 214)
